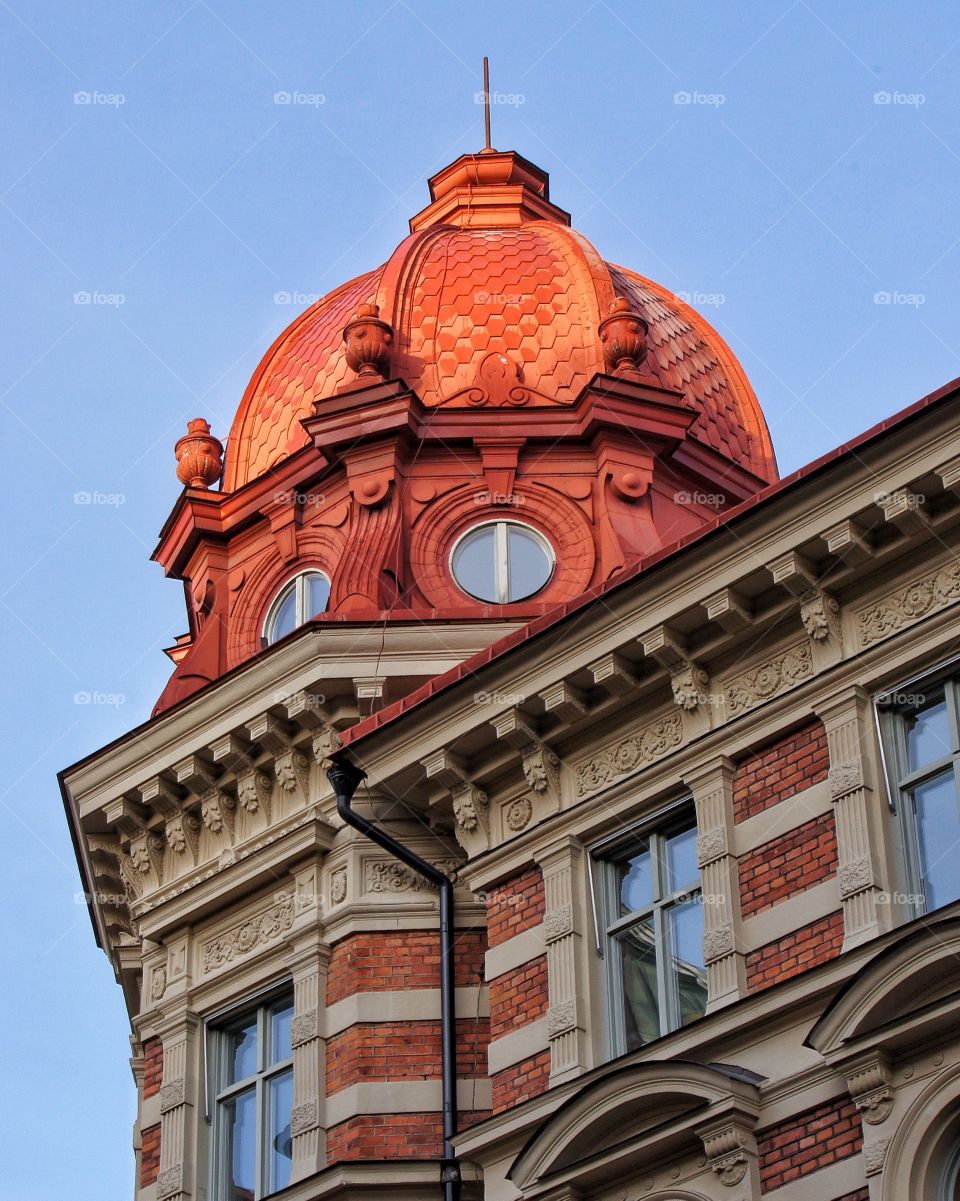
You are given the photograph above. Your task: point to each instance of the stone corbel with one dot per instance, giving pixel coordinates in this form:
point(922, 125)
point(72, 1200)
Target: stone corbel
point(161, 796)
point(795, 572)
point(183, 834)
point(285, 514)
point(729, 610)
point(541, 766)
point(291, 766)
point(820, 614)
point(904, 508)
point(325, 741)
point(949, 474)
point(819, 609)
point(848, 542)
point(470, 804)
point(564, 701)
point(614, 675)
point(731, 1150)
point(306, 709)
point(499, 457)
point(253, 791)
point(688, 680)
point(146, 854)
point(218, 811)
point(870, 1083)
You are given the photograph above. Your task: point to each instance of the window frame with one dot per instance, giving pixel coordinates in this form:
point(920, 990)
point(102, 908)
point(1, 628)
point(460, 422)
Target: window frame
point(901, 782)
point(656, 830)
point(501, 560)
point(220, 1029)
point(298, 585)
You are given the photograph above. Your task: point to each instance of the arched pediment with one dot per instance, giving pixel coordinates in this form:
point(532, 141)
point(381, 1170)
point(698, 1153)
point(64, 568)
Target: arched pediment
point(911, 986)
point(633, 1115)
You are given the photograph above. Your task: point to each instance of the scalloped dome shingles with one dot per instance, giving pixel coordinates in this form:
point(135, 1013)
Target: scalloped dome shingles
point(537, 292)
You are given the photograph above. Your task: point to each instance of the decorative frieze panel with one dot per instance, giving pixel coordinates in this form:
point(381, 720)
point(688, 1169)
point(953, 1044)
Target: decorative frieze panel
point(253, 934)
point(775, 675)
point(629, 754)
point(932, 591)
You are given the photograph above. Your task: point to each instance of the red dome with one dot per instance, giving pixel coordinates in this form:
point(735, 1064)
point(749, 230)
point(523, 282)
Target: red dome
point(492, 267)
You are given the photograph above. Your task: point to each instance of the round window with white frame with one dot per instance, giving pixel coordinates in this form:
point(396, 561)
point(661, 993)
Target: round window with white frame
point(301, 598)
point(502, 562)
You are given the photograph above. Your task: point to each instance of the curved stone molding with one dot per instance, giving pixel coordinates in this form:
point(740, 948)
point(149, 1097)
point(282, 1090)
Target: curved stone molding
point(247, 936)
point(769, 679)
point(931, 592)
point(647, 745)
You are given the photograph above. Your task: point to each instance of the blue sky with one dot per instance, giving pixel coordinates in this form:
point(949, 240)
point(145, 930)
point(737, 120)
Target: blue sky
point(790, 166)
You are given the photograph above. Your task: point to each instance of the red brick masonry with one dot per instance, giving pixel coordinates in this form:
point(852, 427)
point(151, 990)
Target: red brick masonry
point(398, 961)
point(518, 997)
point(402, 1051)
point(391, 1136)
point(789, 864)
point(795, 952)
point(515, 905)
point(521, 1081)
point(780, 770)
point(809, 1141)
point(152, 1066)
point(149, 1155)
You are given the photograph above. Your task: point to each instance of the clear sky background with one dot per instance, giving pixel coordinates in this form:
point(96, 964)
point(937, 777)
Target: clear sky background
point(791, 166)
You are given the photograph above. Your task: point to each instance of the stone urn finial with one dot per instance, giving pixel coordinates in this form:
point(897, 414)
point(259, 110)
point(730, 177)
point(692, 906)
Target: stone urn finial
point(368, 341)
point(199, 455)
point(624, 337)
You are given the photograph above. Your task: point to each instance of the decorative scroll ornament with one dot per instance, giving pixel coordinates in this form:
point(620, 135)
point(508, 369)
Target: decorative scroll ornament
point(541, 769)
point(262, 929)
point(292, 769)
point(469, 807)
point(217, 811)
point(199, 455)
point(390, 876)
point(182, 832)
point(931, 592)
point(624, 337)
point(820, 614)
point(729, 1151)
point(689, 687)
point(368, 341)
point(769, 679)
point(497, 383)
point(253, 790)
point(870, 1086)
point(629, 754)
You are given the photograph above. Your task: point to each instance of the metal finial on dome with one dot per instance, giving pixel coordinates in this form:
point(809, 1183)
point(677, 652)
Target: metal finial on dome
point(488, 145)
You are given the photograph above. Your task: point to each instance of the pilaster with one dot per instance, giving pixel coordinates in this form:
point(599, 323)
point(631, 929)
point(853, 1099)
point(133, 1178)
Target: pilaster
point(180, 1103)
point(847, 721)
point(712, 788)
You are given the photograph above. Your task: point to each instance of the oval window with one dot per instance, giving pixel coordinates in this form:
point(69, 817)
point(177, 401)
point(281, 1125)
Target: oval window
point(301, 598)
point(501, 562)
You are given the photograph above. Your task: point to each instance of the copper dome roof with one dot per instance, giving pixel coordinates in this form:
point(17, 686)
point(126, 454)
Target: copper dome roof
point(493, 266)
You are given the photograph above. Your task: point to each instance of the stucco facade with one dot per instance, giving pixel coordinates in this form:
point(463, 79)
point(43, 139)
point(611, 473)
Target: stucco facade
point(746, 666)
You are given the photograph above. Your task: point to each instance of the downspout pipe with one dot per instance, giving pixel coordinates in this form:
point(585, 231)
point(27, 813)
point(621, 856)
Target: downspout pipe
point(345, 777)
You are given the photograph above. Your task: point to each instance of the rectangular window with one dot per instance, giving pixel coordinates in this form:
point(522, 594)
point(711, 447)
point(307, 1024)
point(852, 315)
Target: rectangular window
point(253, 1099)
point(919, 725)
point(652, 919)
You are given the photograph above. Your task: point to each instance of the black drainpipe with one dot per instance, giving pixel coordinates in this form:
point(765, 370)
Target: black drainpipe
point(345, 777)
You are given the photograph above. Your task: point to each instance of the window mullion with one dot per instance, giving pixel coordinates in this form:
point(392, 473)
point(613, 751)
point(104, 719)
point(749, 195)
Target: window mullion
point(502, 564)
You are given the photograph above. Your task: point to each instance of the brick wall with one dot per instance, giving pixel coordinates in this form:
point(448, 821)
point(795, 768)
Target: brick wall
point(789, 864)
point(809, 1141)
point(152, 1066)
point(149, 1155)
point(515, 905)
point(518, 997)
point(521, 1081)
point(400, 960)
point(403, 1051)
point(795, 952)
point(391, 1136)
point(786, 767)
